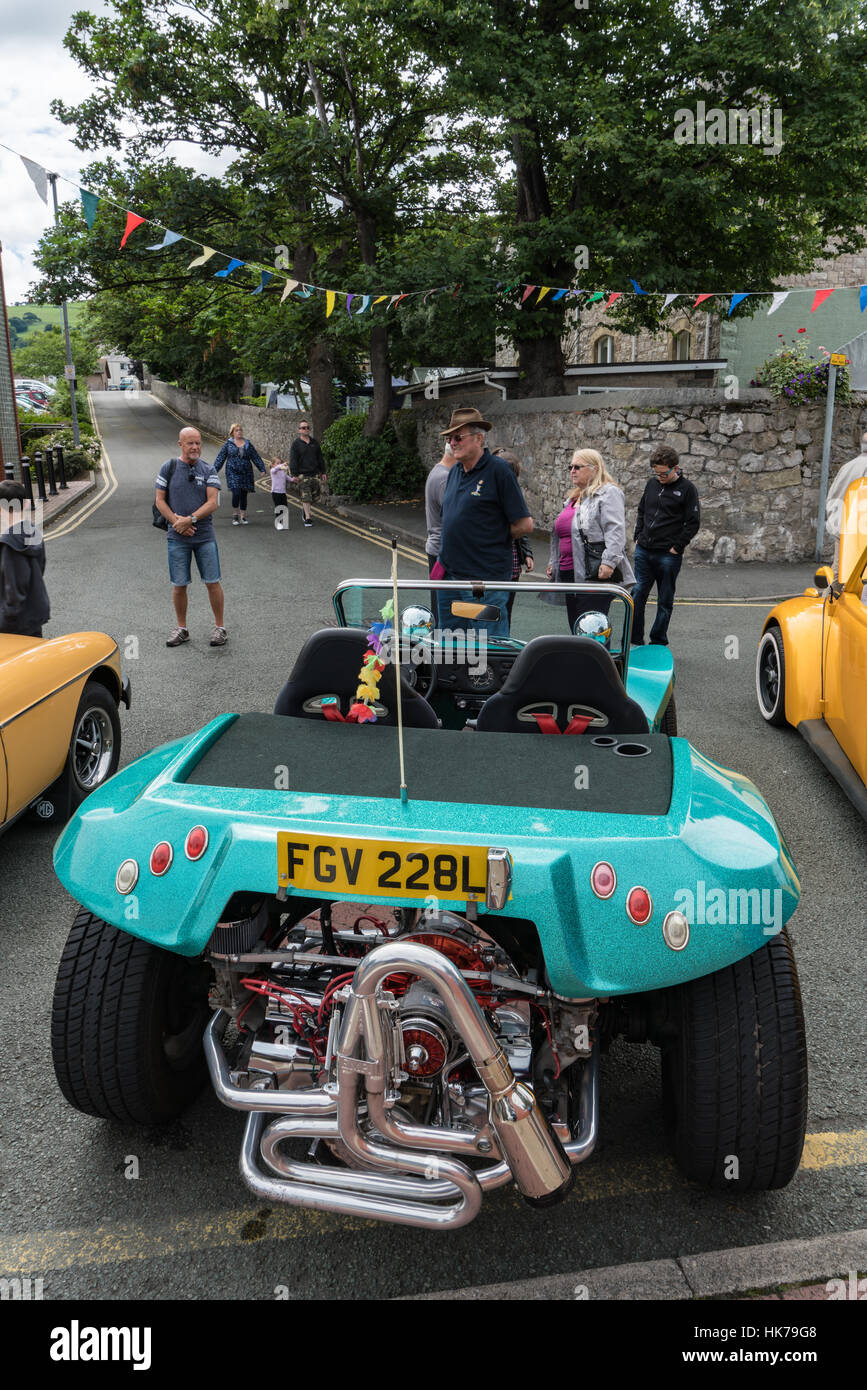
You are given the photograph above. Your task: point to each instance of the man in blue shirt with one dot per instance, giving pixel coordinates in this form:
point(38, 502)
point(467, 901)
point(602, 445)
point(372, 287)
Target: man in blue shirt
point(187, 492)
point(483, 512)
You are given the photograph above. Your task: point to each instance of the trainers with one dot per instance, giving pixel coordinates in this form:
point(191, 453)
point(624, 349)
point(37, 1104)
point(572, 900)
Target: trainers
point(235, 521)
point(243, 521)
point(178, 637)
point(220, 637)
point(307, 521)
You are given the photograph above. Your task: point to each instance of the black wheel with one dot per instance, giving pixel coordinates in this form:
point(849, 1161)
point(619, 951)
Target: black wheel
point(127, 1025)
point(669, 720)
point(735, 1073)
point(94, 749)
point(771, 678)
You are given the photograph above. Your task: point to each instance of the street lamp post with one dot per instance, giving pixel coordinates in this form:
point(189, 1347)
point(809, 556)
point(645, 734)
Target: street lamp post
point(70, 366)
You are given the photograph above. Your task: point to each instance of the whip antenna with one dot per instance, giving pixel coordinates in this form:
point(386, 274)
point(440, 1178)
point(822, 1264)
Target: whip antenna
point(403, 792)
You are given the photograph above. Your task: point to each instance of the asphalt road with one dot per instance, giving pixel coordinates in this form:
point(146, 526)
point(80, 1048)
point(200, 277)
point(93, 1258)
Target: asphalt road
point(185, 1227)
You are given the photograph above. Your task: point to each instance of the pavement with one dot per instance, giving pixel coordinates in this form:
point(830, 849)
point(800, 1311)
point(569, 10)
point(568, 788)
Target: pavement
point(823, 1269)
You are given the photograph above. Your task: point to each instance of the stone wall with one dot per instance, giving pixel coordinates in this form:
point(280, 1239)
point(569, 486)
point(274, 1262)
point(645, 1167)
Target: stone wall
point(755, 462)
point(272, 431)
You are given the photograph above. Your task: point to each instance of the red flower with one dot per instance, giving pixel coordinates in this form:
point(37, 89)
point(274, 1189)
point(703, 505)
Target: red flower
point(802, 330)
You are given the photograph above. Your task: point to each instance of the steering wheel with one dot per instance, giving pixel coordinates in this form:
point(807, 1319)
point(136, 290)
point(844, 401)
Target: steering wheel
point(422, 678)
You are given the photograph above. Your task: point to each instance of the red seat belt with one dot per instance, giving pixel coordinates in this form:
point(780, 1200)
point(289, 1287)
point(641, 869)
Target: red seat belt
point(577, 725)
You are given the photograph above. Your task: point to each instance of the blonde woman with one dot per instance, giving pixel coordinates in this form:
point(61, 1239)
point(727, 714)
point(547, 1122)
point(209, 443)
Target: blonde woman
point(239, 455)
point(588, 539)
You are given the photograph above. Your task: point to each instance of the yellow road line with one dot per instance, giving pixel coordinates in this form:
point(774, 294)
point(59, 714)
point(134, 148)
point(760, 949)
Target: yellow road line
point(121, 1242)
point(109, 478)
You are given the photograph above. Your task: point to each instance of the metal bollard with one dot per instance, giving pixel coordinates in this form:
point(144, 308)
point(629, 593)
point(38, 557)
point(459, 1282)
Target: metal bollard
point(9, 472)
point(61, 467)
point(40, 476)
point(52, 477)
point(26, 478)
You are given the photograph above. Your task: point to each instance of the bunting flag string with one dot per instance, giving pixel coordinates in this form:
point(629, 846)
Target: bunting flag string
point(91, 201)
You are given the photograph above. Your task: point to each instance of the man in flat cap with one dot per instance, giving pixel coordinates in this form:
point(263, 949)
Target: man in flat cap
point(483, 512)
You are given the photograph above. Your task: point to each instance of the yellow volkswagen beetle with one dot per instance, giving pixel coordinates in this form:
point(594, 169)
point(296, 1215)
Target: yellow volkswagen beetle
point(811, 665)
point(59, 725)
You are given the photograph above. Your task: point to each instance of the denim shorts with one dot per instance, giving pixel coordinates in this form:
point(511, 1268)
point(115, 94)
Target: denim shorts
point(180, 561)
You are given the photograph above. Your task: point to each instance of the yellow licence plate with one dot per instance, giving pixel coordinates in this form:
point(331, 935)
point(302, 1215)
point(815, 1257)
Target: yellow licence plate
point(380, 868)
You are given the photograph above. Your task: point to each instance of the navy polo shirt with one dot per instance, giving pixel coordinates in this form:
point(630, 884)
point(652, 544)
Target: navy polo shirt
point(478, 509)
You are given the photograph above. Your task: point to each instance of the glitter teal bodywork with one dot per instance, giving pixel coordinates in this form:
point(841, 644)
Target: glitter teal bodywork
point(718, 836)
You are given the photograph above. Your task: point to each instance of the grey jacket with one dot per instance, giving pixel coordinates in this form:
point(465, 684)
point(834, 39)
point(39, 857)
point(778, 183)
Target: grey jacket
point(603, 518)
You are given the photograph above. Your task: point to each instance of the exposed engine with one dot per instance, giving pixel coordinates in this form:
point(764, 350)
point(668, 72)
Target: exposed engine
point(456, 1066)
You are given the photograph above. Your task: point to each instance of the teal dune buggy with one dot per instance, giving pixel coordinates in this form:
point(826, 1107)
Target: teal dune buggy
point(408, 952)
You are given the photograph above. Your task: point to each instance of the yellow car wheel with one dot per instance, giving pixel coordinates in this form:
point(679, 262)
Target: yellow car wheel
point(771, 678)
point(94, 749)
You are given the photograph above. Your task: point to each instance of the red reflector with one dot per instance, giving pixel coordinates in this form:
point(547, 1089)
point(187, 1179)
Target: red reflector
point(196, 842)
point(161, 857)
point(603, 879)
point(639, 906)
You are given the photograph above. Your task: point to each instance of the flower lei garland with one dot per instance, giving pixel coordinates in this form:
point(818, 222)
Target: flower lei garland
point(372, 667)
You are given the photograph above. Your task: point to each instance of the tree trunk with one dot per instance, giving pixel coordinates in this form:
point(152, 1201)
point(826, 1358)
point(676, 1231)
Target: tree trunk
point(541, 365)
point(380, 368)
point(321, 373)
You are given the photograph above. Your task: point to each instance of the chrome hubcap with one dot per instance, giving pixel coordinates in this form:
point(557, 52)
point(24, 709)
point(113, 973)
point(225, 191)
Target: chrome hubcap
point(92, 746)
point(770, 676)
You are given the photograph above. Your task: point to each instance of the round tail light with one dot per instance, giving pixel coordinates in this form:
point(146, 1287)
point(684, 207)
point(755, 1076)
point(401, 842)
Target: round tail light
point(639, 906)
point(196, 842)
point(603, 879)
point(126, 877)
point(161, 858)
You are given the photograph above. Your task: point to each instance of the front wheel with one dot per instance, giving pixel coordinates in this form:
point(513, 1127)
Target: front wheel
point(127, 1025)
point(771, 678)
point(735, 1073)
point(94, 749)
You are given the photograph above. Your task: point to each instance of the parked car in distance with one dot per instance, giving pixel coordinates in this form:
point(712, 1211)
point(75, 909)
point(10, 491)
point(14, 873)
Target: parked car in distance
point(812, 657)
point(29, 383)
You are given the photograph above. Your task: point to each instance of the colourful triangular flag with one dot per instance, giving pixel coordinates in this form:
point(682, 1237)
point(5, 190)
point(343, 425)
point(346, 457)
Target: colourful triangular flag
point(736, 299)
point(168, 240)
point(558, 295)
point(669, 299)
point(330, 296)
point(39, 177)
point(304, 292)
point(528, 291)
point(89, 204)
point(207, 253)
point(365, 303)
point(349, 299)
point(862, 297)
point(615, 295)
point(288, 288)
point(702, 298)
point(546, 289)
point(234, 264)
point(132, 221)
point(819, 298)
point(266, 276)
point(779, 298)
point(379, 299)
point(635, 285)
point(594, 297)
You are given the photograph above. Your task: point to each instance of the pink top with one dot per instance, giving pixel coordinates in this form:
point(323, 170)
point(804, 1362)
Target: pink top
point(563, 529)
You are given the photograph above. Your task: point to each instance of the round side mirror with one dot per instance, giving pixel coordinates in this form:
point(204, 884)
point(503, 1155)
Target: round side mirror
point(595, 625)
point(823, 578)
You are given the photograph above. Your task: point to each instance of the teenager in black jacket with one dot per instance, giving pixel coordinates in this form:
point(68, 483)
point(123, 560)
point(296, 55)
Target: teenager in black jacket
point(24, 603)
point(668, 517)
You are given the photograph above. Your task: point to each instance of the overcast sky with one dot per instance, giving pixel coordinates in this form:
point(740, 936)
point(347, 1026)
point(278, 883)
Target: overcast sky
point(36, 68)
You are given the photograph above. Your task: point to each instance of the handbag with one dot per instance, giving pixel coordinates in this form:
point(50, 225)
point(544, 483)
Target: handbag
point(158, 519)
point(593, 552)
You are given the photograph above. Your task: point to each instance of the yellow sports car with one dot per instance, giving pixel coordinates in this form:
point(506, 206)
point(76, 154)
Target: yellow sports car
point(811, 665)
point(59, 725)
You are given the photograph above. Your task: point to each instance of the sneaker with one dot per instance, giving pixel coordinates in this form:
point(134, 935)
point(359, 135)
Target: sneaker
point(235, 521)
point(307, 522)
point(178, 637)
point(220, 637)
point(243, 521)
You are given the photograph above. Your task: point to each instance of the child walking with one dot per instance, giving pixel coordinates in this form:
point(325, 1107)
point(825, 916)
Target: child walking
point(279, 476)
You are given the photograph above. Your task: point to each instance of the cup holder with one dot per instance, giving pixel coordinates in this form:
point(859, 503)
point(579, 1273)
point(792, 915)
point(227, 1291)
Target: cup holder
point(632, 750)
point(604, 741)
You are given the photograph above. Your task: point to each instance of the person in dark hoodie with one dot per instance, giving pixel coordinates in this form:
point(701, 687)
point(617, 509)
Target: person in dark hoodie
point(668, 517)
point(24, 603)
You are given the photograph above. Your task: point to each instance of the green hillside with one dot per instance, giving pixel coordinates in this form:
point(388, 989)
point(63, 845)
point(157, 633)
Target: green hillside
point(25, 320)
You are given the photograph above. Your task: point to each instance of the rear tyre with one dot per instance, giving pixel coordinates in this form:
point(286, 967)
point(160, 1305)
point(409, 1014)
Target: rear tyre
point(127, 1025)
point(771, 678)
point(669, 720)
point(735, 1073)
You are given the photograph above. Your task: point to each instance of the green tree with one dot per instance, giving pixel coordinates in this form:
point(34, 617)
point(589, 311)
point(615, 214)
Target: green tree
point(45, 355)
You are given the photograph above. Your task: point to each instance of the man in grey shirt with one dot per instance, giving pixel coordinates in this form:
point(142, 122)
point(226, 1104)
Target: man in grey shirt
point(187, 492)
point(433, 505)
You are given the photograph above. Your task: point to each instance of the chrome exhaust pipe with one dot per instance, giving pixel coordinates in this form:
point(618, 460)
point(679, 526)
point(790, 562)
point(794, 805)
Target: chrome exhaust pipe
point(535, 1157)
point(308, 1102)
